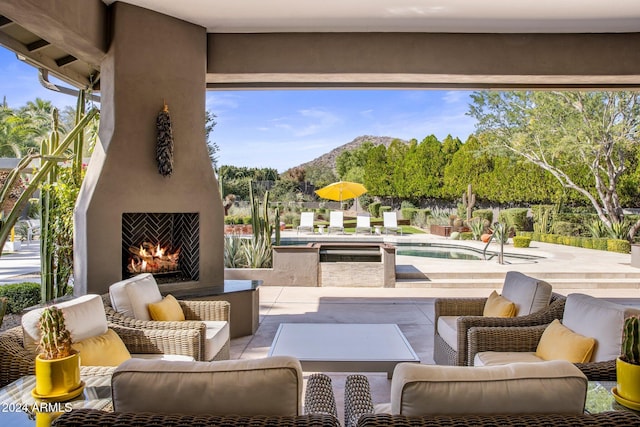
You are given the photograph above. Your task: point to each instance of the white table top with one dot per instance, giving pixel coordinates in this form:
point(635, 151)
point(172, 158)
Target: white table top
point(342, 342)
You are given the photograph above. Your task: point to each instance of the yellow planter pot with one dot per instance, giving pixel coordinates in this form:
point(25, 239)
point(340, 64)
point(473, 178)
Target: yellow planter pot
point(628, 376)
point(58, 378)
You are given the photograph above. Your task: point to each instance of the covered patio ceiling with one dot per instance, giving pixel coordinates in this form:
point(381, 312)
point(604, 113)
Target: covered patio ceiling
point(357, 43)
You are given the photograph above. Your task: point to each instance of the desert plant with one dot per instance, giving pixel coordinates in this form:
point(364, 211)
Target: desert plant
point(468, 201)
point(55, 338)
point(619, 230)
point(485, 214)
point(477, 227)
point(500, 232)
point(631, 341)
point(257, 252)
point(233, 253)
point(421, 219)
point(597, 228)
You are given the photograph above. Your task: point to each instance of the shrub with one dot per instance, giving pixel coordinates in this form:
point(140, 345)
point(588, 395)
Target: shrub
point(374, 209)
point(515, 217)
point(20, 295)
point(466, 235)
point(619, 245)
point(421, 218)
point(601, 244)
point(409, 213)
point(454, 236)
point(485, 214)
point(246, 220)
point(566, 228)
point(385, 209)
point(521, 241)
point(406, 204)
point(229, 220)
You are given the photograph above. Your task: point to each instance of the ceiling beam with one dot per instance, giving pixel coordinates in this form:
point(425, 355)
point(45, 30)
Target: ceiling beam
point(39, 60)
point(432, 60)
point(65, 60)
point(37, 45)
point(4, 21)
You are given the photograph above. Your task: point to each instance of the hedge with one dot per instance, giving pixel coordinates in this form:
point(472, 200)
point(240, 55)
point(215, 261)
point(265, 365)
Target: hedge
point(374, 209)
point(603, 244)
point(516, 217)
point(521, 241)
point(409, 213)
point(484, 214)
point(20, 295)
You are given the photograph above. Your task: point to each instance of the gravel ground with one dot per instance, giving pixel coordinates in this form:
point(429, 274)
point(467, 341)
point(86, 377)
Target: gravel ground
point(9, 321)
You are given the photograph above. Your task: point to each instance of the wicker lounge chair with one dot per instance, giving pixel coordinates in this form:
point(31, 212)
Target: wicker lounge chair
point(522, 342)
point(206, 317)
point(468, 314)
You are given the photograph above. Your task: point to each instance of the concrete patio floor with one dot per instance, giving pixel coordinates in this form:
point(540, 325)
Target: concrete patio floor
point(410, 308)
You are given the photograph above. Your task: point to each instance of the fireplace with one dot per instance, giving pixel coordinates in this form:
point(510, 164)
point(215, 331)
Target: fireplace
point(164, 244)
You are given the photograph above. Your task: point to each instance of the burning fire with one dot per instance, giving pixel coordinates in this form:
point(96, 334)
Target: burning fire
point(150, 258)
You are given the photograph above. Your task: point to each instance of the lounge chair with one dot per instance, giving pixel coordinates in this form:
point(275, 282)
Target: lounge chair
point(336, 222)
point(363, 223)
point(306, 222)
point(390, 223)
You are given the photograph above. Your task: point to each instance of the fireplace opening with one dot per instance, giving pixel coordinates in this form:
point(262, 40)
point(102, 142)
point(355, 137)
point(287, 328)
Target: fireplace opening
point(163, 244)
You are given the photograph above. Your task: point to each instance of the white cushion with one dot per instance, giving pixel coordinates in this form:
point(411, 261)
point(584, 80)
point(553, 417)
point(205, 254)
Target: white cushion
point(216, 336)
point(170, 357)
point(546, 387)
point(132, 296)
point(599, 319)
point(527, 293)
point(269, 386)
point(84, 317)
point(448, 330)
point(493, 358)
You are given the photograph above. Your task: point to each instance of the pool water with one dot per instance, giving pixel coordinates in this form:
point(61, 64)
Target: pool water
point(448, 251)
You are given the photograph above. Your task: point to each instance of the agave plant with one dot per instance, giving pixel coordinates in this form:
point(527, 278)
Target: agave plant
point(619, 230)
point(55, 338)
point(233, 253)
point(477, 227)
point(257, 252)
point(597, 229)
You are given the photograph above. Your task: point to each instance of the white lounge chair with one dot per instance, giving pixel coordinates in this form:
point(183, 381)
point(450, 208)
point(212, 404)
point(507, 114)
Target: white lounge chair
point(336, 221)
point(390, 223)
point(306, 222)
point(363, 223)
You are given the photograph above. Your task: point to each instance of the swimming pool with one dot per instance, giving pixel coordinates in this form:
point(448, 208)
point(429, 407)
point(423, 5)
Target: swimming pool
point(434, 250)
point(457, 252)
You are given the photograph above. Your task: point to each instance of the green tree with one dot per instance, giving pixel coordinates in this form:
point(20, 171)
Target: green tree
point(469, 165)
point(377, 172)
point(212, 147)
point(584, 139)
point(320, 176)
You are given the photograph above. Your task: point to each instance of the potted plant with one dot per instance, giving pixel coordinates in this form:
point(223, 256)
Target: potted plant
point(627, 392)
point(58, 364)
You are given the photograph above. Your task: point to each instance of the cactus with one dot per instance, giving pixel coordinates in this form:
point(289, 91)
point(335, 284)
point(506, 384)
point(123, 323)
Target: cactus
point(55, 339)
point(469, 201)
point(631, 341)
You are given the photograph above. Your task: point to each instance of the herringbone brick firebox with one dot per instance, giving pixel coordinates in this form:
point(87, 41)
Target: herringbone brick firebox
point(173, 232)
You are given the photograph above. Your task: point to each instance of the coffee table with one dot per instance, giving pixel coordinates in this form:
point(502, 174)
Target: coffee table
point(344, 347)
point(18, 408)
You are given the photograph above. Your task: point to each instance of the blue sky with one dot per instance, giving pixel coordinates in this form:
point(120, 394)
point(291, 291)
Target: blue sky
point(281, 129)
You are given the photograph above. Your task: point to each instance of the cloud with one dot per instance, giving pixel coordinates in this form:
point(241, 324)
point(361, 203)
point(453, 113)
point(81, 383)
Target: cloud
point(220, 101)
point(456, 96)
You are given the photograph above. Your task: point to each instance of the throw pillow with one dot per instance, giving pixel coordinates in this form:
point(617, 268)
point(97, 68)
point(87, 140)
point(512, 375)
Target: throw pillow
point(560, 343)
point(498, 306)
point(102, 350)
point(167, 310)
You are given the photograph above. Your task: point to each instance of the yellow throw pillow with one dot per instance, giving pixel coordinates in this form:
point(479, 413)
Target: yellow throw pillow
point(103, 350)
point(560, 343)
point(168, 310)
point(498, 306)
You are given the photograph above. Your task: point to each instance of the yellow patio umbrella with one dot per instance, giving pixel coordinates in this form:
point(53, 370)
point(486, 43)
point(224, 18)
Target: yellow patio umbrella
point(342, 190)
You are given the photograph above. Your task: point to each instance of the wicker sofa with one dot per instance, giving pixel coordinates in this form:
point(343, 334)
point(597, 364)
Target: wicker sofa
point(259, 392)
point(518, 395)
point(466, 313)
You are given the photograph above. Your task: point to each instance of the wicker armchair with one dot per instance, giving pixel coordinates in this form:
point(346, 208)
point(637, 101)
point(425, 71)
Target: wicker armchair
point(16, 361)
point(486, 343)
point(359, 413)
point(525, 339)
point(195, 312)
point(470, 311)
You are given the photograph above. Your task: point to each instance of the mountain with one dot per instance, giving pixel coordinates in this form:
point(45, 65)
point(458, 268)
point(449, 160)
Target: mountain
point(328, 160)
